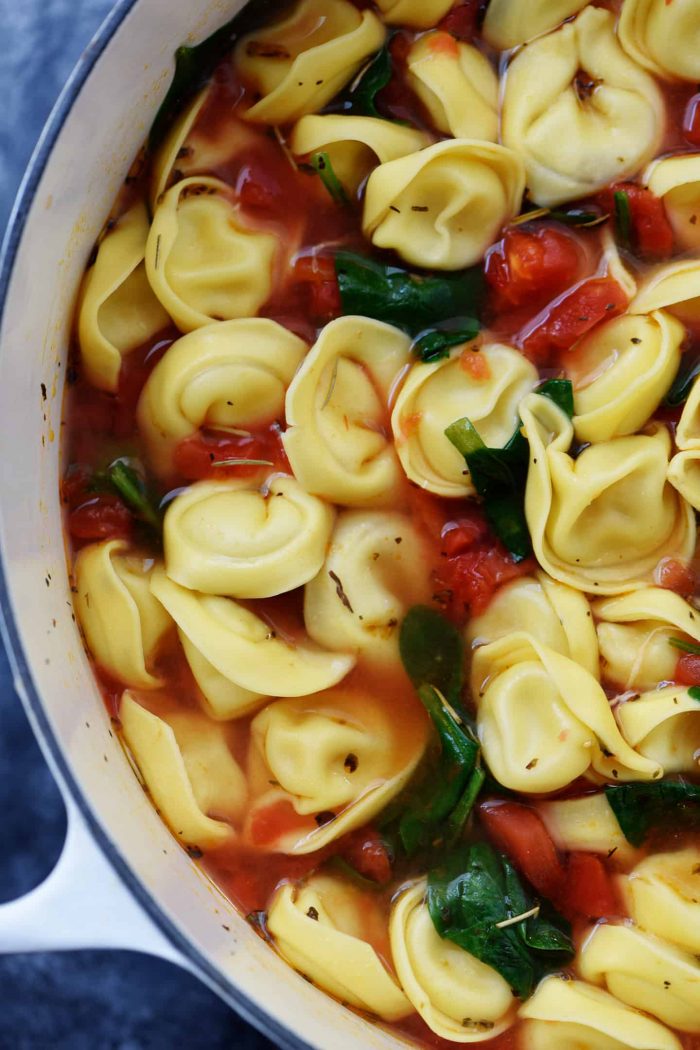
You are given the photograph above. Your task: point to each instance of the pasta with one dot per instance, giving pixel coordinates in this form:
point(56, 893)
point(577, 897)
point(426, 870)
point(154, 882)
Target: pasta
point(578, 86)
point(122, 622)
point(645, 972)
point(435, 394)
point(231, 538)
point(634, 632)
point(661, 893)
point(684, 469)
point(337, 757)
point(324, 920)
point(298, 64)
point(571, 1015)
point(202, 261)
point(543, 720)
point(663, 725)
point(335, 411)
point(227, 374)
point(621, 373)
point(457, 85)
point(458, 996)
point(189, 770)
point(355, 144)
point(674, 287)
point(662, 36)
point(118, 312)
point(373, 574)
point(587, 823)
point(508, 23)
point(443, 206)
point(414, 13)
point(580, 510)
point(676, 180)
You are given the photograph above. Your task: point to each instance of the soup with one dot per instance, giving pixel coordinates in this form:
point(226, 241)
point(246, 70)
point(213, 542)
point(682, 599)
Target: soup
point(382, 461)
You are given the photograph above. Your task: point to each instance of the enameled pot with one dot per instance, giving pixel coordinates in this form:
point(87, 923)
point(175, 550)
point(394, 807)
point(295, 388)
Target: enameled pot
point(122, 881)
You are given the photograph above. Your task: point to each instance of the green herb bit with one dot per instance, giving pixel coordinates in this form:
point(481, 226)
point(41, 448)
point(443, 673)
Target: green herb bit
point(133, 491)
point(683, 383)
point(685, 647)
point(694, 693)
point(639, 807)
point(578, 217)
point(436, 343)
point(242, 463)
point(321, 163)
point(623, 218)
point(561, 392)
point(362, 96)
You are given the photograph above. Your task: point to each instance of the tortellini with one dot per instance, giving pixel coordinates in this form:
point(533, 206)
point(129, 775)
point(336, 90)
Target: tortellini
point(189, 770)
point(442, 207)
point(620, 373)
point(676, 180)
point(459, 997)
point(579, 111)
point(645, 972)
point(336, 411)
point(684, 469)
point(633, 635)
point(543, 720)
point(603, 521)
point(457, 84)
point(508, 23)
point(297, 65)
point(587, 823)
point(558, 616)
point(246, 650)
point(338, 758)
point(123, 623)
point(420, 14)
point(325, 920)
point(662, 35)
point(374, 572)
point(227, 374)
point(571, 1015)
point(118, 311)
point(663, 725)
point(435, 394)
point(355, 144)
point(169, 156)
point(234, 539)
point(662, 894)
point(674, 287)
point(203, 262)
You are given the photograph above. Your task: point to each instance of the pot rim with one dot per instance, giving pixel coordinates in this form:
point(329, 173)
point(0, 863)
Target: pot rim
point(29, 694)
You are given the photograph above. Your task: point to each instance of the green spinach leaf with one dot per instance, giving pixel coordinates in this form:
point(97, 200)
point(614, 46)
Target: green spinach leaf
point(362, 98)
point(321, 164)
point(683, 383)
point(432, 652)
point(129, 484)
point(639, 807)
point(437, 342)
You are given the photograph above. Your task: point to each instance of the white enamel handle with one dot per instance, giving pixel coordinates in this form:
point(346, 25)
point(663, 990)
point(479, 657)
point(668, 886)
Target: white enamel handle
point(82, 904)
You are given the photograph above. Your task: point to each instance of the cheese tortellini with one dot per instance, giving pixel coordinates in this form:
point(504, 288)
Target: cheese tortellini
point(601, 522)
point(676, 180)
point(459, 997)
point(355, 144)
point(457, 84)
point(663, 725)
point(645, 972)
point(543, 720)
point(508, 23)
point(374, 572)
point(326, 920)
point(443, 206)
point(336, 410)
point(118, 311)
point(232, 538)
point(621, 372)
point(123, 623)
point(227, 374)
point(633, 635)
point(297, 65)
point(189, 770)
point(662, 35)
point(684, 469)
point(571, 1015)
point(420, 14)
point(587, 823)
point(246, 650)
point(338, 758)
point(674, 287)
point(662, 894)
point(435, 394)
point(558, 616)
point(203, 262)
point(579, 111)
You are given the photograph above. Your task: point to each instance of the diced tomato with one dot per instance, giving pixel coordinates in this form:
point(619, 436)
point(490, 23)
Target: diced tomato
point(316, 274)
point(520, 833)
point(531, 267)
point(250, 877)
point(259, 189)
point(572, 316)
point(474, 364)
point(365, 851)
point(651, 233)
point(673, 575)
point(196, 457)
point(103, 517)
point(691, 121)
point(460, 537)
point(473, 577)
point(588, 889)
point(269, 824)
point(463, 20)
point(688, 669)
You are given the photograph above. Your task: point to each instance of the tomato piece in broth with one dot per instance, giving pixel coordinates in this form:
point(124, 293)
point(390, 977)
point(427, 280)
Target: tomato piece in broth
point(573, 316)
point(531, 267)
point(651, 233)
point(519, 832)
point(196, 457)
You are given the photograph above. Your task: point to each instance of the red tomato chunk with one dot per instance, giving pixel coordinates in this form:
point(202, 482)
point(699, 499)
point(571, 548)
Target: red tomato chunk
point(531, 267)
point(651, 233)
point(575, 314)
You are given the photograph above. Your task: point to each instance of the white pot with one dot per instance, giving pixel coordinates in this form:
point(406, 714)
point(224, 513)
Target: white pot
point(122, 881)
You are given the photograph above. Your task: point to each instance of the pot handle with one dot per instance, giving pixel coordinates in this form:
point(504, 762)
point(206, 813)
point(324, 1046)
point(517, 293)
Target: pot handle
point(82, 904)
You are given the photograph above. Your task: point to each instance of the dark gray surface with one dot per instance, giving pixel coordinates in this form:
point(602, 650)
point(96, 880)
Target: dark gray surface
point(78, 1000)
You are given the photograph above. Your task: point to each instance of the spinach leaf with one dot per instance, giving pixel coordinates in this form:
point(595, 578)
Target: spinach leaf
point(578, 217)
point(477, 901)
point(413, 302)
point(432, 652)
point(639, 807)
point(683, 383)
point(128, 483)
point(321, 164)
point(685, 647)
point(437, 342)
point(362, 98)
point(623, 218)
